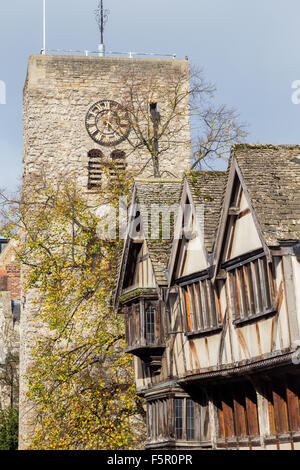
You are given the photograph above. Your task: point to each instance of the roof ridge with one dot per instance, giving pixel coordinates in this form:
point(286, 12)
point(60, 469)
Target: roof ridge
point(205, 172)
point(157, 180)
point(262, 146)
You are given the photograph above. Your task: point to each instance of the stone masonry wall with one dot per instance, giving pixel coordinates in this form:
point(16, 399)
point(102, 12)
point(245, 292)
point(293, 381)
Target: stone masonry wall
point(59, 91)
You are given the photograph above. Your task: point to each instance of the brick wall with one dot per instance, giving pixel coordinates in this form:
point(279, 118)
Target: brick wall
point(14, 281)
point(10, 281)
point(3, 281)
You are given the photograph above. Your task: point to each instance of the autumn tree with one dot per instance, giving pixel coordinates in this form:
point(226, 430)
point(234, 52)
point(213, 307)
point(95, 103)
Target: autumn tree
point(9, 384)
point(159, 115)
point(81, 380)
point(9, 389)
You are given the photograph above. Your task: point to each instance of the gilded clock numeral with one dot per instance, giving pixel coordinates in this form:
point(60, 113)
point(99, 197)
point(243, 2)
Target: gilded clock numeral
point(96, 134)
point(91, 126)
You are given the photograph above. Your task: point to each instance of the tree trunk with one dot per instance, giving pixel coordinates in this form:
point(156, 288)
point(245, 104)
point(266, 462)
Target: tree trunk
point(155, 161)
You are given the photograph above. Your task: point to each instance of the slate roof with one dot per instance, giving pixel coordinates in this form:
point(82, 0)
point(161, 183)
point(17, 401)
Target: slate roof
point(272, 177)
point(208, 189)
point(161, 192)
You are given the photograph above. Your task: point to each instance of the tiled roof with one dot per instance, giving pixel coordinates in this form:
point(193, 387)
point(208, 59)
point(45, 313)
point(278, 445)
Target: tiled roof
point(272, 177)
point(208, 189)
point(151, 192)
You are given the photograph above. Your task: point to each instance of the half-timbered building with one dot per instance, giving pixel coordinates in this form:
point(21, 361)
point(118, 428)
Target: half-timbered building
point(213, 311)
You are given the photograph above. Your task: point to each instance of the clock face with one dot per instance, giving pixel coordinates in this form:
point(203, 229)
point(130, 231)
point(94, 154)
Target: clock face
point(107, 123)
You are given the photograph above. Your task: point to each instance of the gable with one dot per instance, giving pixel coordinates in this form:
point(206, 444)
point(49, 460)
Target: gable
point(143, 270)
point(9, 254)
point(271, 174)
point(192, 256)
point(189, 254)
point(239, 231)
point(243, 235)
point(144, 259)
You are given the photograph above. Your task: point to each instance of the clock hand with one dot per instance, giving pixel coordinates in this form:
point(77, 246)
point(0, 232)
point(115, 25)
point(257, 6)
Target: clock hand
point(115, 129)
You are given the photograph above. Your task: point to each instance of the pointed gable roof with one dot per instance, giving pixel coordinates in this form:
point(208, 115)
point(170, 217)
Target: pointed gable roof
point(207, 188)
point(145, 193)
point(204, 188)
point(156, 191)
point(272, 176)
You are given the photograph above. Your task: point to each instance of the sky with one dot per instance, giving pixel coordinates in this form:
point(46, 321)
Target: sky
point(249, 48)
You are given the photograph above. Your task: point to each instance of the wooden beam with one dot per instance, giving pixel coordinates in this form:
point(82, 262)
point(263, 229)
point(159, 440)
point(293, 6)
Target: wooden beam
point(228, 419)
point(293, 404)
point(240, 418)
point(280, 410)
point(290, 289)
point(234, 211)
point(251, 408)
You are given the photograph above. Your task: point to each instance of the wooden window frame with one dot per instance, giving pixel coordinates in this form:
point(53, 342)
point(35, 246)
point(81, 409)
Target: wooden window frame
point(137, 334)
point(150, 324)
point(165, 420)
point(252, 289)
point(179, 418)
point(200, 307)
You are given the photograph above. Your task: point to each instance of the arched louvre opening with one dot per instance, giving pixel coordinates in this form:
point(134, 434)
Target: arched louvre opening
point(118, 163)
point(95, 168)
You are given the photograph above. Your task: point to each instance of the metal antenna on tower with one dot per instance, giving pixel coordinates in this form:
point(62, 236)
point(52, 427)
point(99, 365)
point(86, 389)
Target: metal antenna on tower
point(101, 18)
point(44, 27)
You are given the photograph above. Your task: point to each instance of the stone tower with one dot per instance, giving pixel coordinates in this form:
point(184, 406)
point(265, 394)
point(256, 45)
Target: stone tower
point(63, 97)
